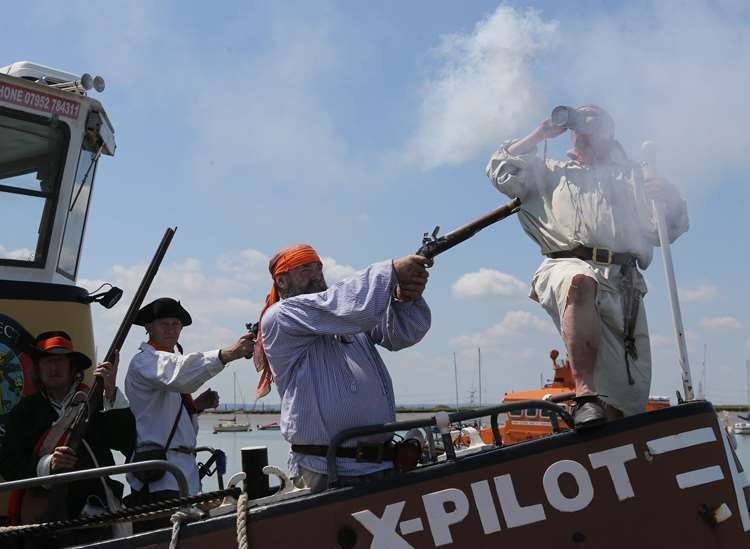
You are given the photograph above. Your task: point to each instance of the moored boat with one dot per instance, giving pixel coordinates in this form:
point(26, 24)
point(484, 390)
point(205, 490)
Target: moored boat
point(531, 423)
point(231, 425)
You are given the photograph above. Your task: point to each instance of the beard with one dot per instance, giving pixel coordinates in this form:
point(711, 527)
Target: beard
point(312, 287)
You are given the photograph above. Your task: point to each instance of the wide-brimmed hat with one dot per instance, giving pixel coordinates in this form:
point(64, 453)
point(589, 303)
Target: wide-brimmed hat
point(58, 343)
point(164, 307)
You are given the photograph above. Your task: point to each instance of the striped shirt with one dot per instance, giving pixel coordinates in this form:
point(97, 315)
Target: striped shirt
point(321, 349)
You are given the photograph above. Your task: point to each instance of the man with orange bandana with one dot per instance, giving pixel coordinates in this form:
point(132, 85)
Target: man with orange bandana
point(158, 384)
point(318, 345)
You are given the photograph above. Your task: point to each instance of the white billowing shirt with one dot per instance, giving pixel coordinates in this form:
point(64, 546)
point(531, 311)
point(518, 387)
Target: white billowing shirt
point(565, 204)
point(153, 385)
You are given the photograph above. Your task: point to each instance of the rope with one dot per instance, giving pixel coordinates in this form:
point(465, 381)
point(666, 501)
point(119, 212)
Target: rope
point(242, 521)
point(138, 511)
point(177, 519)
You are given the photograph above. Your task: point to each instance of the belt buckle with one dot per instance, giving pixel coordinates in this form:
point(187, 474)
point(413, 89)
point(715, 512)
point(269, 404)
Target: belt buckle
point(364, 452)
point(595, 256)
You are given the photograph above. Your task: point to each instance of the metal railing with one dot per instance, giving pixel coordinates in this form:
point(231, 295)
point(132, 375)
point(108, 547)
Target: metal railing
point(492, 412)
point(63, 478)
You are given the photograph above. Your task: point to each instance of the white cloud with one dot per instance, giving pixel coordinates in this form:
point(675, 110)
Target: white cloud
point(333, 271)
point(513, 324)
point(704, 292)
point(489, 283)
point(248, 264)
point(720, 323)
point(24, 254)
point(484, 89)
point(652, 63)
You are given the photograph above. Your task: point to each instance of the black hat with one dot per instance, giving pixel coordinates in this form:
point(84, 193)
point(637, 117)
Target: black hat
point(164, 307)
point(58, 343)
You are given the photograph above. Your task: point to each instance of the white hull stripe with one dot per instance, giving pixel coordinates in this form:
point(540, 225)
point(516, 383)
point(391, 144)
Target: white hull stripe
point(699, 477)
point(739, 480)
point(681, 441)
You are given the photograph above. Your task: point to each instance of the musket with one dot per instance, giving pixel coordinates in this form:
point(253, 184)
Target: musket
point(432, 244)
point(81, 423)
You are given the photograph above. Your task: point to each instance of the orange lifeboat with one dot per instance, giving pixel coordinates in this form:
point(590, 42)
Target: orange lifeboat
point(532, 423)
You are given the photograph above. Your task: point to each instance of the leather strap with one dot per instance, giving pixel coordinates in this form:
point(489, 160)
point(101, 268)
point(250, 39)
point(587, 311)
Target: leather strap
point(597, 255)
point(370, 453)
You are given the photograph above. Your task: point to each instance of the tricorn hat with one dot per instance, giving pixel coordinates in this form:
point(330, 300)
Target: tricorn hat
point(164, 307)
point(58, 343)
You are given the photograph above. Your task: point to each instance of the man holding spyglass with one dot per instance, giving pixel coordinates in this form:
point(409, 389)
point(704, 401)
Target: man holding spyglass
point(592, 218)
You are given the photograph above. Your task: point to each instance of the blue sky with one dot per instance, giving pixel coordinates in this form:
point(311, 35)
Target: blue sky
point(358, 126)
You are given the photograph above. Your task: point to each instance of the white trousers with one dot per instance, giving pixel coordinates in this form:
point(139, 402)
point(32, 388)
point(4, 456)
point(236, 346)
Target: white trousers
point(550, 287)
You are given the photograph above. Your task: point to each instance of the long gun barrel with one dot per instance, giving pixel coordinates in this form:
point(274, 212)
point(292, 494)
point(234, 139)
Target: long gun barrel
point(79, 427)
point(433, 245)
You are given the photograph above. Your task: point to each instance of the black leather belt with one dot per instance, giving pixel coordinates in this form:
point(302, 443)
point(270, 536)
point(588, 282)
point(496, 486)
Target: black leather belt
point(597, 255)
point(370, 453)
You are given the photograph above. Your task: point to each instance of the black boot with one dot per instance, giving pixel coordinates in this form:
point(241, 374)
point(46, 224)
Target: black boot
point(589, 412)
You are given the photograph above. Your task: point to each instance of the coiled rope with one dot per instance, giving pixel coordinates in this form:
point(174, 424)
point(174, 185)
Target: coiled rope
point(177, 519)
point(242, 521)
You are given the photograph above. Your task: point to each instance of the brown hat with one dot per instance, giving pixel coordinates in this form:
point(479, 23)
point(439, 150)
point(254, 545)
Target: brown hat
point(164, 307)
point(58, 343)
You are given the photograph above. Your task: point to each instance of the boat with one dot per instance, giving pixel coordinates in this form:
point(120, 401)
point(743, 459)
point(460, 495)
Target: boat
point(273, 426)
point(741, 428)
point(664, 478)
point(232, 425)
point(530, 423)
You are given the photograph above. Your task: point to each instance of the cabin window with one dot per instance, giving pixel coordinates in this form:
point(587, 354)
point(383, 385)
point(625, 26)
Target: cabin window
point(32, 157)
point(77, 210)
point(530, 412)
point(515, 413)
point(546, 412)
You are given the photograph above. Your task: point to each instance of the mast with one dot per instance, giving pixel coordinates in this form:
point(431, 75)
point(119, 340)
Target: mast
point(455, 378)
point(479, 360)
point(234, 398)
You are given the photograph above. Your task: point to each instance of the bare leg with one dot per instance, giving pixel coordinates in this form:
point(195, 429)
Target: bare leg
point(581, 332)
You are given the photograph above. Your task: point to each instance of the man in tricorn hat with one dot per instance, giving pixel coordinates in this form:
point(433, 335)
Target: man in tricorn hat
point(159, 382)
point(35, 440)
point(592, 218)
point(318, 344)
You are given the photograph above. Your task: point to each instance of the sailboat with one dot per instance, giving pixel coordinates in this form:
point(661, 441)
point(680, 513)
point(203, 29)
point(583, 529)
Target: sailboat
point(232, 425)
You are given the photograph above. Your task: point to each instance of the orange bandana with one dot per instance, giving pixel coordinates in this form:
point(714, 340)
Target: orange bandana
point(284, 261)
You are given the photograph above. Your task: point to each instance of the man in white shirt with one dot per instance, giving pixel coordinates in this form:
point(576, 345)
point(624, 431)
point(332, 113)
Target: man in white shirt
point(592, 218)
point(158, 384)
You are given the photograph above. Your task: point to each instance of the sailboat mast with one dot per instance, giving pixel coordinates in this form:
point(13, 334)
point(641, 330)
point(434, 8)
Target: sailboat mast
point(234, 398)
point(479, 360)
point(455, 378)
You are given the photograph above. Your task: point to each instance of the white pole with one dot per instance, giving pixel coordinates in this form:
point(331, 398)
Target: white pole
point(455, 378)
point(666, 253)
point(479, 360)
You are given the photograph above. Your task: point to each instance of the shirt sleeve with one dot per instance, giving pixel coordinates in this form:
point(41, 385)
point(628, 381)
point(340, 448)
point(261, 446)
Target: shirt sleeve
point(516, 175)
point(43, 465)
point(403, 324)
point(175, 372)
point(118, 403)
